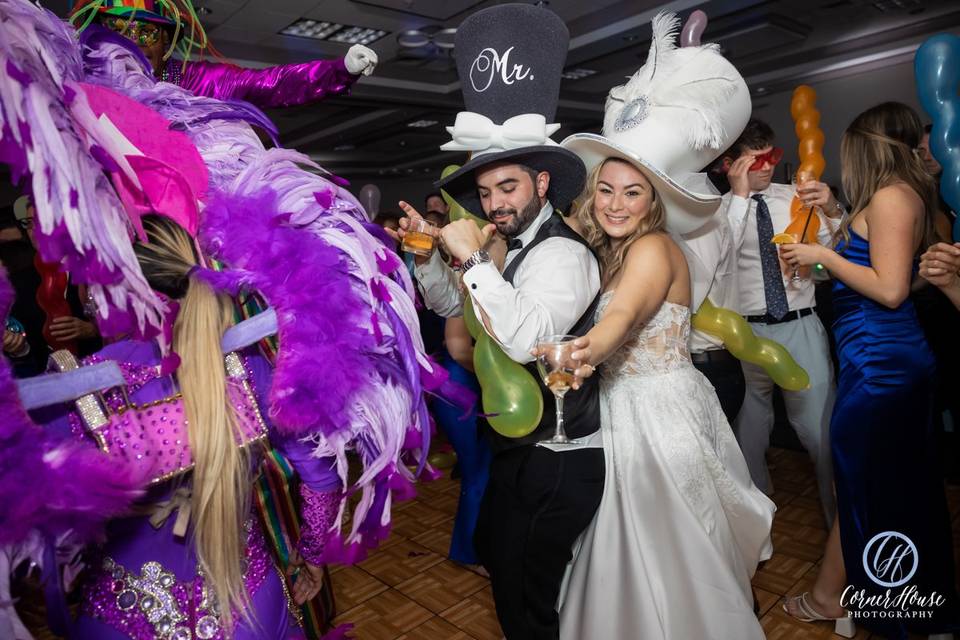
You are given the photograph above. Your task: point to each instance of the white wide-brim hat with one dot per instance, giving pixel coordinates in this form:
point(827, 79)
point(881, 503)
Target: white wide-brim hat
point(688, 200)
point(671, 120)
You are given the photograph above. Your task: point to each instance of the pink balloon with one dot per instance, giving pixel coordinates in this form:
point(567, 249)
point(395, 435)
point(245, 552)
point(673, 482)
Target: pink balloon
point(693, 29)
point(370, 199)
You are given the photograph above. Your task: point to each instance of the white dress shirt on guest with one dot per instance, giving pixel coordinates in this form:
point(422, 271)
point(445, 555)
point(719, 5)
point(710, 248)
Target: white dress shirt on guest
point(552, 289)
point(712, 260)
point(740, 214)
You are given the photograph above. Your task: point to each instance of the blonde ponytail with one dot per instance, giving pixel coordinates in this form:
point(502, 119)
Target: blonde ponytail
point(221, 482)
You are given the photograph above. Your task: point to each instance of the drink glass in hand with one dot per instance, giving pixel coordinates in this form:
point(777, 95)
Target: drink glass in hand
point(789, 238)
point(799, 178)
point(420, 237)
point(557, 368)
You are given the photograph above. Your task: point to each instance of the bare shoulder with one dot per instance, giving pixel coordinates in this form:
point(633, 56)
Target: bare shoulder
point(897, 198)
point(650, 245)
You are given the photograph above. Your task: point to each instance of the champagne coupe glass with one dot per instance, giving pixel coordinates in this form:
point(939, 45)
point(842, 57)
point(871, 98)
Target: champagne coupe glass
point(557, 368)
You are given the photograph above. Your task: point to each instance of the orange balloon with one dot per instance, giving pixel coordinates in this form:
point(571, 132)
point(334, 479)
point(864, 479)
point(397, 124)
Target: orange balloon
point(808, 121)
point(811, 144)
point(804, 222)
point(814, 164)
point(803, 98)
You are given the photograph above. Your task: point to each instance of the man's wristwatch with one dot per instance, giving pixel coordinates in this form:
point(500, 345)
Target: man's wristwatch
point(477, 257)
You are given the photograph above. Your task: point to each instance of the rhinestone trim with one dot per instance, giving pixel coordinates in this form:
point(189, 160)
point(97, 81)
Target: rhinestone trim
point(633, 113)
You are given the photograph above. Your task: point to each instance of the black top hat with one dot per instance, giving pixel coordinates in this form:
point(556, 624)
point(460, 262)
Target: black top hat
point(509, 59)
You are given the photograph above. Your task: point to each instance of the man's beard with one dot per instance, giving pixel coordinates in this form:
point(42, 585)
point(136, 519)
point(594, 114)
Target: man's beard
point(518, 223)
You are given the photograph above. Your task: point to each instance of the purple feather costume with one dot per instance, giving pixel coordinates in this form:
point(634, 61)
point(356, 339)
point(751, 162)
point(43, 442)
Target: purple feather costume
point(350, 374)
point(284, 85)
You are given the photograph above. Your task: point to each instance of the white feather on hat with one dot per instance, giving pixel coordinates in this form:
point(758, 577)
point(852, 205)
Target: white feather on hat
point(663, 81)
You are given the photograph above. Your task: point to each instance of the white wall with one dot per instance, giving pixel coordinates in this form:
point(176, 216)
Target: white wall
point(839, 101)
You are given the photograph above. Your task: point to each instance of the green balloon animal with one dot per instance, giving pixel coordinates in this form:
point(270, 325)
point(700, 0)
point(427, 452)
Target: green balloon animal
point(511, 396)
point(743, 343)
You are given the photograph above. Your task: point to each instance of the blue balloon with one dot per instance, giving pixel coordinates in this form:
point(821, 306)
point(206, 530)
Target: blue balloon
point(937, 69)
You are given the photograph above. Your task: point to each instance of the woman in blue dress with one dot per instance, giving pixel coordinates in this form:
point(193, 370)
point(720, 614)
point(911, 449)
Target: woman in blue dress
point(893, 528)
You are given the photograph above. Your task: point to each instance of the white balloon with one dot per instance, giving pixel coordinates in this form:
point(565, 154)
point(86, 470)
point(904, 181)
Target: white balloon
point(370, 199)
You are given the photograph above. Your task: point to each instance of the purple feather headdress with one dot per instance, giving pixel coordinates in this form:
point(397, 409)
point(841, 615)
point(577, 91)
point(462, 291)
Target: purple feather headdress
point(351, 370)
point(348, 372)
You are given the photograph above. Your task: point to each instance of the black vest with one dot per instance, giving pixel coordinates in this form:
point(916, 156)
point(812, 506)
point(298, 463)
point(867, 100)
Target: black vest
point(581, 408)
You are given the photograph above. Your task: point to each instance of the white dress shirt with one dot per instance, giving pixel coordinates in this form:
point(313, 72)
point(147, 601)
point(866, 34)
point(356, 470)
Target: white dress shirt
point(552, 288)
point(741, 216)
point(712, 260)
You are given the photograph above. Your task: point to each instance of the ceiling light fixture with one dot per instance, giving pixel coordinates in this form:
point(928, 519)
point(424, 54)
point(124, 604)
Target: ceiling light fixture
point(417, 38)
point(332, 32)
point(357, 35)
point(421, 124)
point(577, 74)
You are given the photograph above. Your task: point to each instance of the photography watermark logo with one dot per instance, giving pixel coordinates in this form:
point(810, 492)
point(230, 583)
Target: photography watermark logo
point(890, 560)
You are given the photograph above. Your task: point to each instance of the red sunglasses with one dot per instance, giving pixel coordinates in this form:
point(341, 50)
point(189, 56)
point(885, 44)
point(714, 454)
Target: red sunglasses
point(771, 157)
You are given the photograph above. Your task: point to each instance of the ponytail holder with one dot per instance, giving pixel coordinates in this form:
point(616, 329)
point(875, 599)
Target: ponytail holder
point(192, 270)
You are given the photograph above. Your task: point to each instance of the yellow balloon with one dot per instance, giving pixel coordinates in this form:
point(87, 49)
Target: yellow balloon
point(740, 340)
point(442, 460)
point(510, 395)
point(456, 211)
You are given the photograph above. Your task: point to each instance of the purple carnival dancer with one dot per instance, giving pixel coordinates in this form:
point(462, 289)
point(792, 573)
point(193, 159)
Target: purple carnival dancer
point(104, 147)
point(162, 28)
point(189, 558)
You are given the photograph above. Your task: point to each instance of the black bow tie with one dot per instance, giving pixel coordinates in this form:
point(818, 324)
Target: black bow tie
point(514, 243)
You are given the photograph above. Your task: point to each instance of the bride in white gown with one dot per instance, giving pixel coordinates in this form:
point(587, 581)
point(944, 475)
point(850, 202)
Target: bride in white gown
point(681, 527)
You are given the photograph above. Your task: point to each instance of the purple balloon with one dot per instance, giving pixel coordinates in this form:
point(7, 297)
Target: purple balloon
point(693, 29)
point(370, 199)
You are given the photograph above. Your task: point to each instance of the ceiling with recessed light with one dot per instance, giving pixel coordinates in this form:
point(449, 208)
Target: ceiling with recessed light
point(393, 123)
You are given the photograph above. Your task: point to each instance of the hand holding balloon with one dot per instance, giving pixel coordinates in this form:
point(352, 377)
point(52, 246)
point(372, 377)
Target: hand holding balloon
point(511, 397)
point(804, 224)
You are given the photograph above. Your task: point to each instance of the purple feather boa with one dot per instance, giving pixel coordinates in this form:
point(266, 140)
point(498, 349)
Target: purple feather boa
point(50, 485)
point(322, 322)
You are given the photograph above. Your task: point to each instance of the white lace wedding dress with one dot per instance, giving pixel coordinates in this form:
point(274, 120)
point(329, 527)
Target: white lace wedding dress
point(681, 527)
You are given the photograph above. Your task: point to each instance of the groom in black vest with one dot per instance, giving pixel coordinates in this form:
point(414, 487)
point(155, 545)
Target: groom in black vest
point(539, 498)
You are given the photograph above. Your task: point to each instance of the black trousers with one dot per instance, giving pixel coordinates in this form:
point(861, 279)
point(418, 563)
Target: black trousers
point(726, 376)
point(536, 504)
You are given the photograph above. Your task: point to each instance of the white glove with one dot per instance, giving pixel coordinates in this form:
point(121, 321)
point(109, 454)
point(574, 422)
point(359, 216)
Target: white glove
point(360, 60)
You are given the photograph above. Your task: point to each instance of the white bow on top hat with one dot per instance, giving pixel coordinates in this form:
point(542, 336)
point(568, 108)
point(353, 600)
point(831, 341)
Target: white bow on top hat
point(676, 115)
point(510, 58)
point(478, 133)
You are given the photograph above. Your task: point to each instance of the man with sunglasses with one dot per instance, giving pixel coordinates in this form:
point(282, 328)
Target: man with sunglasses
point(778, 306)
point(161, 28)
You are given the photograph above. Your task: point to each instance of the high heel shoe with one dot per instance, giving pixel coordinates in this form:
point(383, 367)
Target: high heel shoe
point(842, 626)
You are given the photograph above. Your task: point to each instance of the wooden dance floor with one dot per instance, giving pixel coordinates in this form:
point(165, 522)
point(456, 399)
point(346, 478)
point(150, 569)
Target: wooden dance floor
point(409, 590)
